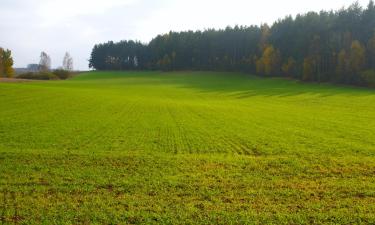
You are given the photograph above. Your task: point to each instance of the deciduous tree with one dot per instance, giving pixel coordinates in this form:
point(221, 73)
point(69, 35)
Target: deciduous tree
point(289, 67)
point(271, 60)
point(1, 63)
point(6, 63)
point(45, 62)
point(357, 60)
point(342, 68)
point(68, 62)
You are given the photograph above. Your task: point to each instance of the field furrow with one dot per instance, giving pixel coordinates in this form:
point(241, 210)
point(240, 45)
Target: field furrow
point(186, 148)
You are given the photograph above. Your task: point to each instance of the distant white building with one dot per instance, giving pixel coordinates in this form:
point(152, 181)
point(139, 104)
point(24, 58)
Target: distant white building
point(32, 68)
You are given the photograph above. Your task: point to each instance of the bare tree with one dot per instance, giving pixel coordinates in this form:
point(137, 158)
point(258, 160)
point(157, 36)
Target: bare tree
point(45, 62)
point(68, 62)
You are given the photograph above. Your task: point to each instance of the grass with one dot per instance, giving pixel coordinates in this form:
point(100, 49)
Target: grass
point(186, 148)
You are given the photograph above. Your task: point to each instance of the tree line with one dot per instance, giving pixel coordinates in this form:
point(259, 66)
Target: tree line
point(335, 46)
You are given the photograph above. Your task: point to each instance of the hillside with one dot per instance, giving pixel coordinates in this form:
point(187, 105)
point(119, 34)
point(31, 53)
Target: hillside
point(198, 147)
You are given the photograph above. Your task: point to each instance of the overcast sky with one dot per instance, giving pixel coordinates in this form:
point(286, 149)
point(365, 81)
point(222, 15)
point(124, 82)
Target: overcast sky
point(56, 26)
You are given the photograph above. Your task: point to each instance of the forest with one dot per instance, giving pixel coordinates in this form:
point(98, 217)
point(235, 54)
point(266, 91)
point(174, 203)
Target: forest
point(329, 46)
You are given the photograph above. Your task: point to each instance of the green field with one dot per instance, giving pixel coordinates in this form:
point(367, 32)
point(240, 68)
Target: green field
point(186, 148)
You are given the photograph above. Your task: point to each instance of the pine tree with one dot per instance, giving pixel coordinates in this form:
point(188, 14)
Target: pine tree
point(259, 64)
point(308, 69)
point(371, 52)
point(264, 38)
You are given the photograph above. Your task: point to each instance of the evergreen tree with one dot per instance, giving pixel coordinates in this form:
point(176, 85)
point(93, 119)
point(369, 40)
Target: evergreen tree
point(371, 52)
point(324, 46)
point(309, 65)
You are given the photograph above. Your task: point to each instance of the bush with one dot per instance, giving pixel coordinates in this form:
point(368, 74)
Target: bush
point(43, 75)
point(368, 77)
point(62, 74)
point(38, 76)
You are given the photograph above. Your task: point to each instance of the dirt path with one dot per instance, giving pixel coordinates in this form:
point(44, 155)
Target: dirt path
point(13, 80)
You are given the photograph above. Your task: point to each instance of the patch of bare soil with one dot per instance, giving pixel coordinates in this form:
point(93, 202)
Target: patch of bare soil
point(13, 80)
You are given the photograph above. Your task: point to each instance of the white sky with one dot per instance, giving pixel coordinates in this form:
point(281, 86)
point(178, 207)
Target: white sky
point(56, 26)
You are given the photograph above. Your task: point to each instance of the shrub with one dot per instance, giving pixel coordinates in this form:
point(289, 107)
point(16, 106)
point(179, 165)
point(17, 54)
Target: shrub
point(38, 76)
point(368, 77)
point(62, 74)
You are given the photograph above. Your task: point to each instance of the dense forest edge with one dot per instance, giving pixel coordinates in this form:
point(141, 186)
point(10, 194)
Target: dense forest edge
point(329, 46)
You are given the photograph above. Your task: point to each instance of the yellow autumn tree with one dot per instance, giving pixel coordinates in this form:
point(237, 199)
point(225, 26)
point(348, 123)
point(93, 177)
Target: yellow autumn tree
point(289, 67)
point(351, 63)
point(357, 57)
point(269, 63)
point(6, 64)
point(165, 62)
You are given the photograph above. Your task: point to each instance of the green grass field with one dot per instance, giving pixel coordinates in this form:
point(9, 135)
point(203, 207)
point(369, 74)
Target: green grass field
point(186, 148)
